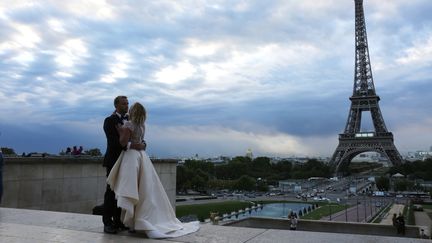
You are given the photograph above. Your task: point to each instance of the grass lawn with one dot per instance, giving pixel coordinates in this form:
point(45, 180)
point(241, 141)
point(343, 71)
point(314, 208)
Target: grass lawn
point(426, 206)
point(202, 211)
point(323, 211)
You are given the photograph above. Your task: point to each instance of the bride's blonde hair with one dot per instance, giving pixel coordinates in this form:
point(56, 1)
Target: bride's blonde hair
point(137, 114)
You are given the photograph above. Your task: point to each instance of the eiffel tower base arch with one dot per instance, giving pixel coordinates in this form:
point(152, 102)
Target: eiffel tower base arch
point(348, 148)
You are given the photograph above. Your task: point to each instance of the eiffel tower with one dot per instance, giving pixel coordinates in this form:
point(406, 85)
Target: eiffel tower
point(364, 98)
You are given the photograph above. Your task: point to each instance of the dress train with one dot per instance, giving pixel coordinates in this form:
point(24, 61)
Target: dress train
point(144, 202)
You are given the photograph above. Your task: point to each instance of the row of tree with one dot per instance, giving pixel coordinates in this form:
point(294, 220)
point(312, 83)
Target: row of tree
point(414, 170)
point(243, 173)
point(8, 151)
point(91, 152)
point(383, 183)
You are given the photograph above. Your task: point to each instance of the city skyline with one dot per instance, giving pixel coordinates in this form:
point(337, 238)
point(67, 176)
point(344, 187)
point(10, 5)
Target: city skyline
point(216, 78)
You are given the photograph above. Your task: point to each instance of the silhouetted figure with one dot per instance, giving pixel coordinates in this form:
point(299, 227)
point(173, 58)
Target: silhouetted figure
point(293, 220)
point(394, 222)
point(74, 150)
point(400, 224)
point(68, 151)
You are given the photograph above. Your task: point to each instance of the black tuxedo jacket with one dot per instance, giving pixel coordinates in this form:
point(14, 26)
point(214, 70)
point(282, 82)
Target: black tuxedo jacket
point(114, 148)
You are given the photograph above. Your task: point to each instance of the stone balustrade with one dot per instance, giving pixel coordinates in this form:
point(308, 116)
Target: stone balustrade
point(66, 184)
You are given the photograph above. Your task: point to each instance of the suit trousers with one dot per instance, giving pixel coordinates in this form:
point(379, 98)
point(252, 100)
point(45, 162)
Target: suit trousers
point(111, 213)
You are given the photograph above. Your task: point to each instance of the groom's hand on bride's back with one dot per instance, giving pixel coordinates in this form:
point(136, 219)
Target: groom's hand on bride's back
point(138, 146)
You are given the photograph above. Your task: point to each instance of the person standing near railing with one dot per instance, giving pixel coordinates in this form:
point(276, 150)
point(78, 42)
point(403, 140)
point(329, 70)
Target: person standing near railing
point(395, 223)
point(400, 224)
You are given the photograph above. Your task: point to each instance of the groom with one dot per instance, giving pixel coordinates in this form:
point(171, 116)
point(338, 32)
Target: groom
point(111, 213)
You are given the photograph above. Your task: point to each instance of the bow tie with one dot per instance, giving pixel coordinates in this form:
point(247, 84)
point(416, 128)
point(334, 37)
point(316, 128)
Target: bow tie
point(124, 117)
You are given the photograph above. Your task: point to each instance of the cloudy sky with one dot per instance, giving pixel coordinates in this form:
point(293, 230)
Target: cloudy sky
point(217, 77)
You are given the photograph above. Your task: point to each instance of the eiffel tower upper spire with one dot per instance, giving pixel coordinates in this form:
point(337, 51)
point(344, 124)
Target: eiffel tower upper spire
point(363, 80)
point(363, 88)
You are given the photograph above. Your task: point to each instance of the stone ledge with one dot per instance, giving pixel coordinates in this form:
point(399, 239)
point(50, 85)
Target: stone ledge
point(21, 225)
point(327, 226)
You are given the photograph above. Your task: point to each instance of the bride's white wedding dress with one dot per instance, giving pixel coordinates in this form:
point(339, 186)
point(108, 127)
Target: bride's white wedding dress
point(140, 194)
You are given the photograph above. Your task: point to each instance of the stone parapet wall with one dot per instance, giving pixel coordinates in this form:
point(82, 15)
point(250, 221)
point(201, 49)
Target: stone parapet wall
point(66, 184)
point(326, 226)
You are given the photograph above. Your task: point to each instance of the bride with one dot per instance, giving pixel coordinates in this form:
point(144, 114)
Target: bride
point(139, 192)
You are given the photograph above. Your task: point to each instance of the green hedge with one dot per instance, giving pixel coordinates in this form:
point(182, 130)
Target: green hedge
point(324, 211)
point(409, 214)
point(383, 211)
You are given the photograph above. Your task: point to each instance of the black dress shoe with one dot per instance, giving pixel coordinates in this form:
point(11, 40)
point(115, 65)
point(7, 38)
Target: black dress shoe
point(121, 227)
point(110, 229)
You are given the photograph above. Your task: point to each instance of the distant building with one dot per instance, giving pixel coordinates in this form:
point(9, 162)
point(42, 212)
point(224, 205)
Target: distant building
point(316, 178)
point(219, 160)
point(425, 155)
point(249, 153)
point(419, 155)
point(426, 184)
point(290, 186)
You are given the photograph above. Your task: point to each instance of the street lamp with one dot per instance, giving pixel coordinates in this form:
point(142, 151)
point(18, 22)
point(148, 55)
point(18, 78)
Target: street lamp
point(364, 198)
point(346, 210)
point(330, 210)
point(357, 209)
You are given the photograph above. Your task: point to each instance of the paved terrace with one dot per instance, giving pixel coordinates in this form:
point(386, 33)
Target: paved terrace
point(35, 226)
